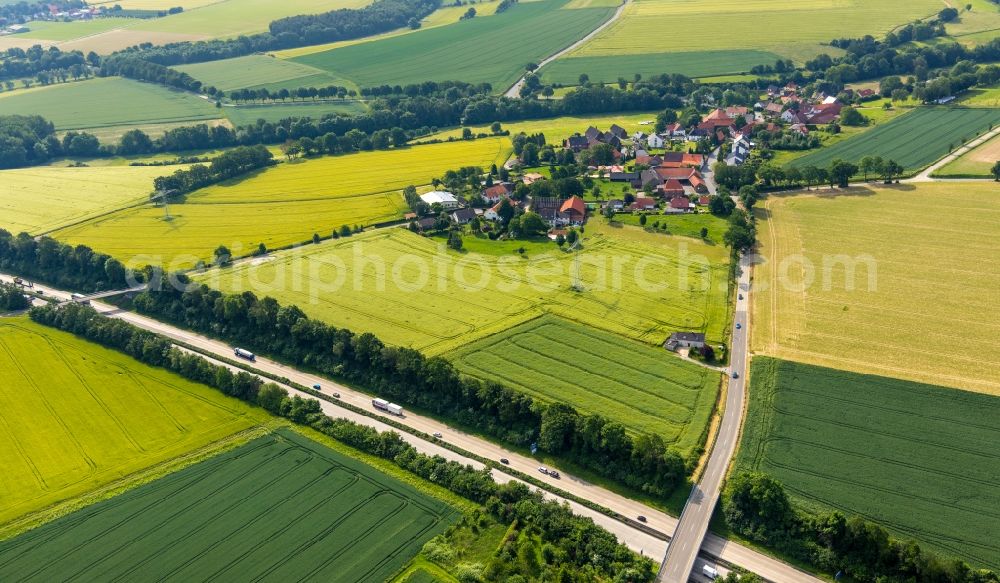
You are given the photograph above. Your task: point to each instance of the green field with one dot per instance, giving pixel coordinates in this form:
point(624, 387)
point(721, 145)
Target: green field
point(280, 206)
point(62, 31)
point(796, 31)
point(914, 140)
point(40, 199)
point(635, 284)
point(258, 71)
point(111, 101)
point(77, 417)
point(489, 49)
point(608, 68)
point(918, 459)
point(557, 129)
point(685, 225)
point(231, 18)
point(977, 162)
point(918, 305)
point(274, 112)
point(280, 508)
point(645, 388)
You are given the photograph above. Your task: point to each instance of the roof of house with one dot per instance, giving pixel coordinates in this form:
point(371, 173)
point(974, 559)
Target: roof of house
point(704, 200)
point(692, 159)
point(573, 205)
point(496, 190)
point(617, 130)
point(679, 202)
point(773, 107)
point(426, 222)
point(577, 142)
point(676, 173)
point(643, 203)
point(438, 196)
point(592, 133)
point(688, 336)
point(696, 180)
point(540, 203)
point(464, 214)
point(673, 186)
point(674, 128)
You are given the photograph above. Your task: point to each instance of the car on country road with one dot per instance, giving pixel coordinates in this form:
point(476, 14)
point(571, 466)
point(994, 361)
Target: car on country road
point(316, 386)
point(736, 375)
point(543, 470)
point(554, 474)
point(505, 461)
point(642, 518)
point(437, 435)
point(740, 296)
point(336, 395)
point(738, 325)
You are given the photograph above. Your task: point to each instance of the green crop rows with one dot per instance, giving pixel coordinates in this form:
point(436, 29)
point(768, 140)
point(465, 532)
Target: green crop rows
point(280, 508)
point(608, 68)
point(642, 387)
point(489, 49)
point(913, 140)
point(921, 460)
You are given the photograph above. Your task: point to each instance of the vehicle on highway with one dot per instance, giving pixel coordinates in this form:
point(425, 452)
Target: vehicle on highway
point(710, 572)
point(437, 435)
point(554, 474)
point(543, 470)
point(740, 296)
point(642, 518)
point(80, 299)
point(336, 395)
point(505, 461)
point(388, 407)
point(738, 325)
point(40, 292)
point(245, 354)
point(316, 386)
point(736, 375)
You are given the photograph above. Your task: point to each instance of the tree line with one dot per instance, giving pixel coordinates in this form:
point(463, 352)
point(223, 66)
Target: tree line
point(584, 550)
point(227, 165)
point(17, 63)
point(404, 375)
point(757, 507)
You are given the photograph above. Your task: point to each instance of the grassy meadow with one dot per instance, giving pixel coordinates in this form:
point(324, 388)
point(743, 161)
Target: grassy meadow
point(919, 459)
point(644, 388)
point(110, 101)
point(77, 417)
point(685, 225)
point(558, 129)
point(467, 50)
point(51, 30)
point(41, 199)
point(248, 114)
point(636, 284)
point(923, 282)
point(914, 140)
point(280, 508)
point(231, 18)
point(608, 68)
point(796, 31)
point(258, 71)
point(976, 162)
point(279, 206)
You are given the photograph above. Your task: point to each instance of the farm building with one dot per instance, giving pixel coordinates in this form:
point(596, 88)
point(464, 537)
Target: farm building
point(441, 197)
point(685, 340)
point(463, 216)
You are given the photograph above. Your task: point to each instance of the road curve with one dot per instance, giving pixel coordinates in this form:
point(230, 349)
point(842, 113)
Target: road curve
point(515, 89)
point(637, 539)
point(690, 532)
point(925, 176)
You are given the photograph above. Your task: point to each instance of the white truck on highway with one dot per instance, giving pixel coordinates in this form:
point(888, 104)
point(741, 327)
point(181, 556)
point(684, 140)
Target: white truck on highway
point(709, 571)
point(383, 405)
point(244, 354)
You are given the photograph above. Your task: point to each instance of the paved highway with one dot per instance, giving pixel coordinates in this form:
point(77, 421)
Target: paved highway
point(635, 538)
point(690, 532)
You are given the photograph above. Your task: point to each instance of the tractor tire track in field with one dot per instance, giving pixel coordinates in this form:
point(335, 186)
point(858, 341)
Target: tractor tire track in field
point(71, 438)
point(61, 354)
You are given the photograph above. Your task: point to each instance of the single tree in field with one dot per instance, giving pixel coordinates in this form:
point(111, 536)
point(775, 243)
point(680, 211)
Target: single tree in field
point(222, 255)
point(704, 235)
point(642, 219)
point(995, 171)
point(455, 241)
point(841, 172)
point(890, 170)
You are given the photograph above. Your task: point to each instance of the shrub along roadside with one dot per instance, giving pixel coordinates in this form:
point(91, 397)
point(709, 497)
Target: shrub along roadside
point(756, 506)
point(588, 550)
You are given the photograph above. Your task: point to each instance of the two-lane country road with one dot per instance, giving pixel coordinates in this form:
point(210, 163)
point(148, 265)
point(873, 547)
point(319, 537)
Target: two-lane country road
point(638, 539)
point(693, 524)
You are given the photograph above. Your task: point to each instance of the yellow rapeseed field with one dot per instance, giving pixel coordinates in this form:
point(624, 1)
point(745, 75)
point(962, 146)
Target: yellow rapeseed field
point(924, 282)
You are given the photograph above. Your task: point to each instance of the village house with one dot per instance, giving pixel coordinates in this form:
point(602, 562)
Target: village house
point(615, 204)
point(441, 197)
point(679, 204)
point(573, 211)
point(739, 152)
point(618, 131)
point(655, 141)
point(675, 131)
point(685, 340)
point(497, 192)
point(426, 223)
point(556, 212)
point(643, 203)
point(532, 177)
point(576, 143)
point(463, 216)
